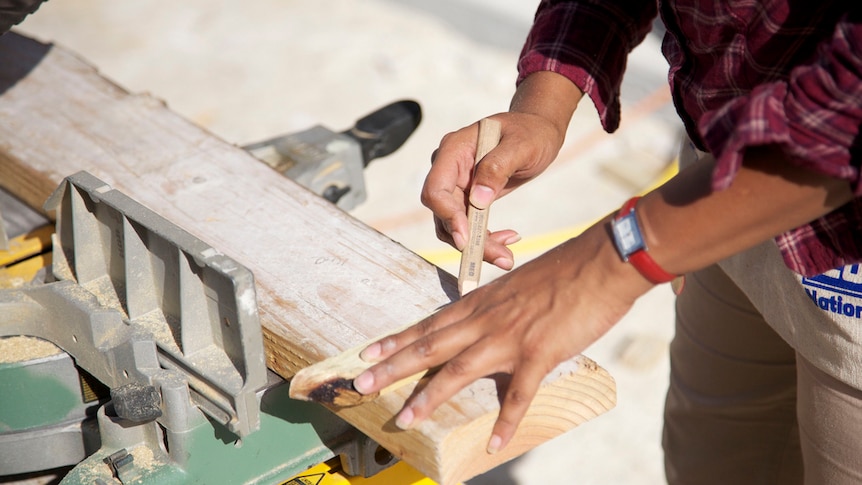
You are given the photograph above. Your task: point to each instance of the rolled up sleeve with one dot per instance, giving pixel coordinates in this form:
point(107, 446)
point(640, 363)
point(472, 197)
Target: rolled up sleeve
point(814, 116)
point(588, 42)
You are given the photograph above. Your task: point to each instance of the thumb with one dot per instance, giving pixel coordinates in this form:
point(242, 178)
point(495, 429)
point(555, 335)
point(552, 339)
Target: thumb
point(481, 196)
point(489, 174)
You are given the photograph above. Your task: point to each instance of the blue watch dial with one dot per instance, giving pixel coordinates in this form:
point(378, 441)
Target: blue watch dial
point(627, 235)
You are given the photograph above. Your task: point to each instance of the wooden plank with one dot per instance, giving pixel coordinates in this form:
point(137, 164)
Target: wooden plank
point(330, 381)
point(325, 282)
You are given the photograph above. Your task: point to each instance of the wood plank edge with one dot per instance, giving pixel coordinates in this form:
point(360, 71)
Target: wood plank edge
point(449, 453)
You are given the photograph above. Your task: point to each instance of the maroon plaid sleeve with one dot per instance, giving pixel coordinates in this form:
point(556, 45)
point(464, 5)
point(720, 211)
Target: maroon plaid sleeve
point(588, 42)
point(814, 116)
point(742, 74)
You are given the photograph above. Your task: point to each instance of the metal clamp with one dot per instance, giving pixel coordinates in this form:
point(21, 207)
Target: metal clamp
point(141, 303)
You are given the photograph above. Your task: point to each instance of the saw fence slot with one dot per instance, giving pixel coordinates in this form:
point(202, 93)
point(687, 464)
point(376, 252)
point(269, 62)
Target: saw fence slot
point(195, 304)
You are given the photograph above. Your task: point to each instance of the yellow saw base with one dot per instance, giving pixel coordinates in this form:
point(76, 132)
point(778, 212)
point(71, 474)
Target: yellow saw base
point(329, 473)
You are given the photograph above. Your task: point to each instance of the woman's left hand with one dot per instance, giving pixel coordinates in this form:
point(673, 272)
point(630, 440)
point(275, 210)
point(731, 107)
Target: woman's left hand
point(523, 324)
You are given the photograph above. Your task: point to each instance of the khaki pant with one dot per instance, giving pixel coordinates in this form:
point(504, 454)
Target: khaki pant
point(746, 407)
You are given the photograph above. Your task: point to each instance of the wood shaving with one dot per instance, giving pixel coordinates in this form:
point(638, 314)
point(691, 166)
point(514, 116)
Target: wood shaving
point(22, 348)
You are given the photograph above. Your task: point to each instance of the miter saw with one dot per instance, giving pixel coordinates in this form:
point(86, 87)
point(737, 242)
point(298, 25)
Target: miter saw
point(167, 383)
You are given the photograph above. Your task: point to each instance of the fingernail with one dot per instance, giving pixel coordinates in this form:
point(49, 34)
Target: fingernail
point(481, 196)
point(371, 352)
point(504, 263)
point(364, 382)
point(460, 243)
point(494, 444)
point(512, 239)
point(404, 419)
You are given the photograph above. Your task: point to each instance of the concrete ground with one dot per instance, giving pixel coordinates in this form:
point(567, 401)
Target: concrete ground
point(252, 70)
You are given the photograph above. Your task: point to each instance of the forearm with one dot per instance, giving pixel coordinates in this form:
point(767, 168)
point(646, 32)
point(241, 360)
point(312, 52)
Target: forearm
point(549, 95)
point(688, 226)
point(588, 43)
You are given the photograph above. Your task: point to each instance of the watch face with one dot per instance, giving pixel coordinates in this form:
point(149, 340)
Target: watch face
point(627, 235)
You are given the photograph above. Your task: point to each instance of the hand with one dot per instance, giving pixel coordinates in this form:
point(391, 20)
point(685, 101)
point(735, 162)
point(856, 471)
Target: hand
point(528, 144)
point(523, 324)
point(532, 133)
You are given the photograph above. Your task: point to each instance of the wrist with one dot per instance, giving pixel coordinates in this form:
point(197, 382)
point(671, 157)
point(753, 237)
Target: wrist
point(606, 271)
point(630, 243)
point(549, 95)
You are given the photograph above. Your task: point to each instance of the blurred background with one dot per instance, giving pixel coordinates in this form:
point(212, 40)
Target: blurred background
point(251, 70)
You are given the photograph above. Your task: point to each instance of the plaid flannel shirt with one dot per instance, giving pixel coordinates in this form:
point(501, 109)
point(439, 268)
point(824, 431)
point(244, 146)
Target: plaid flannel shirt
point(742, 74)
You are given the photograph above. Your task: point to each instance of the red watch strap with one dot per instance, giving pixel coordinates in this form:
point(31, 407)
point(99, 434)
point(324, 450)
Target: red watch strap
point(641, 260)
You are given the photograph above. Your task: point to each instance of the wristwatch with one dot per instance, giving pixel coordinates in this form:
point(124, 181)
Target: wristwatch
point(631, 246)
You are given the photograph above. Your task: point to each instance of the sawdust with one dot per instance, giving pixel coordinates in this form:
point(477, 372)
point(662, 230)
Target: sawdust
point(90, 471)
point(156, 324)
point(12, 282)
point(144, 458)
point(21, 348)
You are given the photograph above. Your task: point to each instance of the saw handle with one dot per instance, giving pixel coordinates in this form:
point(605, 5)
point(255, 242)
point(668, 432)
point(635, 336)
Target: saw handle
point(383, 131)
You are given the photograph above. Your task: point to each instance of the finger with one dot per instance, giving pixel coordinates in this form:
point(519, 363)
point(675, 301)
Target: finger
point(520, 393)
point(422, 346)
point(444, 233)
point(496, 244)
point(497, 251)
point(426, 352)
point(450, 215)
point(390, 344)
point(504, 237)
point(491, 175)
point(444, 190)
point(460, 371)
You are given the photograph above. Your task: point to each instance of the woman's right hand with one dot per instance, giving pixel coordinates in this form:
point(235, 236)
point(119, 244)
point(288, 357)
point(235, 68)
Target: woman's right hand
point(532, 133)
